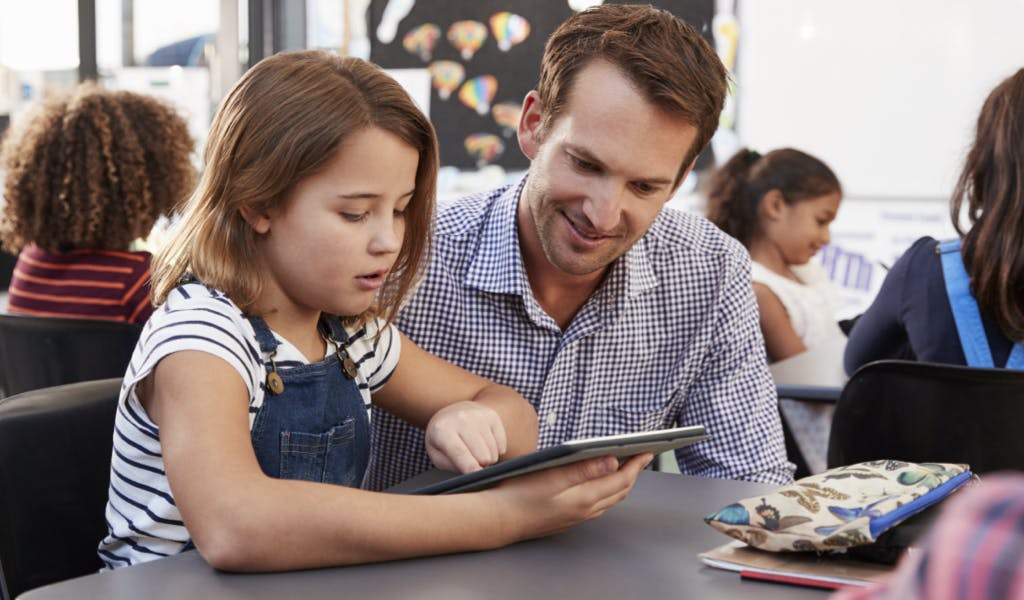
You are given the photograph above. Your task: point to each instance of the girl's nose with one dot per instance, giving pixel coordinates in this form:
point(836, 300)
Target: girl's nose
point(387, 238)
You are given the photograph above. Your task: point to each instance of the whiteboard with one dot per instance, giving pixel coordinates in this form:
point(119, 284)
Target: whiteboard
point(886, 92)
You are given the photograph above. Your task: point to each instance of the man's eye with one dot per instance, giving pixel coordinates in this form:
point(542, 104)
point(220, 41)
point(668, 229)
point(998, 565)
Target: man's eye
point(644, 188)
point(582, 164)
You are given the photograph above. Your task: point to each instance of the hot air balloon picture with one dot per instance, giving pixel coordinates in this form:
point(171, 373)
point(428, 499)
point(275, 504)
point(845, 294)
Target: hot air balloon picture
point(394, 12)
point(478, 92)
point(421, 40)
point(509, 29)
point(484, 147)
point(446, 75)
point(467, 37)
point(506, 115)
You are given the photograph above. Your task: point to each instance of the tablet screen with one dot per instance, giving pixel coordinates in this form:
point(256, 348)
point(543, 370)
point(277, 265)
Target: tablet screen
point(621, 446)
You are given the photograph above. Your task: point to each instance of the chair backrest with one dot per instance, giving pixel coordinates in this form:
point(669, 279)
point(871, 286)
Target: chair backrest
point(929, 412)
point(55, 446)
point(37, 352)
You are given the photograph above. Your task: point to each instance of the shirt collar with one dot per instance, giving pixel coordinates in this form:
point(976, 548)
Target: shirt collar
point(497, 265)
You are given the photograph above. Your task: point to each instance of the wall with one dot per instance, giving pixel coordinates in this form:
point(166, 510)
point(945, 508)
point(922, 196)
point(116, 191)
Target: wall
point(884, 91)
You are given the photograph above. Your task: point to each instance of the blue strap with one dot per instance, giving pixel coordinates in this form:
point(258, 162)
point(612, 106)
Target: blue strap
point(966, 314)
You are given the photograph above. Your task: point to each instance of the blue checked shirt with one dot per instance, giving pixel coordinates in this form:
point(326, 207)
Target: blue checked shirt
point(670, 338)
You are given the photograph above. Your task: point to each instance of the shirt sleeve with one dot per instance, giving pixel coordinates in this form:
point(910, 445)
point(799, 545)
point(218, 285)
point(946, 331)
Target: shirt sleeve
point(377, 352)
point(206, 324)
point(137, 304)
point(879, 332)
point(734, 396)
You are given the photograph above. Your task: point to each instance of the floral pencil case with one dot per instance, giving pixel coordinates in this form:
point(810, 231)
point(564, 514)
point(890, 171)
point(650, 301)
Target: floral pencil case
point(842, 507)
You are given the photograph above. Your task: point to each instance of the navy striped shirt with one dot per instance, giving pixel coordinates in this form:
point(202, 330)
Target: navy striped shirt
point(142, 519)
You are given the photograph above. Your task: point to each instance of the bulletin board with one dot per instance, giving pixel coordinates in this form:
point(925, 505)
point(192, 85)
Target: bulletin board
point(484, 56)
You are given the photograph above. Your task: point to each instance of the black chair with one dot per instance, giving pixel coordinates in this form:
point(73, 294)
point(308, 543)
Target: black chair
point(55, 446)
point(38, 352)
point(928, 412)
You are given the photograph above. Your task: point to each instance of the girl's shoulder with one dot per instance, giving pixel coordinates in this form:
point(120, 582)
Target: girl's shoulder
point(196, 306)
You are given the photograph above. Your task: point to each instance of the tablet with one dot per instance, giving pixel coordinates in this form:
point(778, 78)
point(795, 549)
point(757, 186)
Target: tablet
point(621, 446)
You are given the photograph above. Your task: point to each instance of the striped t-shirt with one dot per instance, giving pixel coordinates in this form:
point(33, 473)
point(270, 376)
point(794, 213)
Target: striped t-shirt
point(89, 284)
point(142, 520)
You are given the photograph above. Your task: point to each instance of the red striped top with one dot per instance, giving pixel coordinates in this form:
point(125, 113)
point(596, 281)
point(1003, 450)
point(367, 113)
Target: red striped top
point(89, 284)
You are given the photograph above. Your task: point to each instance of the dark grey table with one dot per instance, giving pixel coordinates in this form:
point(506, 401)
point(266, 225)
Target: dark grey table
point(813, 375)
point(645, 547)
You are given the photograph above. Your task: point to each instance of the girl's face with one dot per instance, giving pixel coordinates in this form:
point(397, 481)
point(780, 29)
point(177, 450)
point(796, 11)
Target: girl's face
point(802, 228)
point(330, 246)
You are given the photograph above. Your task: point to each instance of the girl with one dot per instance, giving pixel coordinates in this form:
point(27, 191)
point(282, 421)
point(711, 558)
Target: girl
point(86, 174)
point(247, 393)
point(984, 325)
point(780, 206)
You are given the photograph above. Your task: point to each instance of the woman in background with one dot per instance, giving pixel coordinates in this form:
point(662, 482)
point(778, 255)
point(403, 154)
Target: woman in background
point(86, 174)
point(983, 271)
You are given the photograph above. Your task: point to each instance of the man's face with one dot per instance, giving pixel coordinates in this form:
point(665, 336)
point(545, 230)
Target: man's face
point(600, 173)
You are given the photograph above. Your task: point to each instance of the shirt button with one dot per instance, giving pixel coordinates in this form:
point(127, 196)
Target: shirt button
point(552, 418)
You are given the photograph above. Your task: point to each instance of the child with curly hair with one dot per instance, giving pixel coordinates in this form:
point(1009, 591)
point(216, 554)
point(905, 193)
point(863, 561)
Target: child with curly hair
point(85, 175)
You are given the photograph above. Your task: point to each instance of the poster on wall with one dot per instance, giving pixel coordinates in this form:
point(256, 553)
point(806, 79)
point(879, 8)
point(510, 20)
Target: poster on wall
point(483, 56)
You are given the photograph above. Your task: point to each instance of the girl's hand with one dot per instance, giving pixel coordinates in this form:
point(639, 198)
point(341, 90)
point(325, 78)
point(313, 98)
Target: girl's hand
point(554, 500)
point(465, 436)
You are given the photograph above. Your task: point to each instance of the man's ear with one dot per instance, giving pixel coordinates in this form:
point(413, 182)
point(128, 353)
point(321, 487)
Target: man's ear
point(773, 203)
point(259, 221)
point(530, 120)
point(682, 178)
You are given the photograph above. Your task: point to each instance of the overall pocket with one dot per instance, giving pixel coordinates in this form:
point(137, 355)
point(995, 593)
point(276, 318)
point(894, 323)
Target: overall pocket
point(328, 457)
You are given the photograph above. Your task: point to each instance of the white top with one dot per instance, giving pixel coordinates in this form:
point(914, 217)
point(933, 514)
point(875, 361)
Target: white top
point(142, 520)
point(812, 305)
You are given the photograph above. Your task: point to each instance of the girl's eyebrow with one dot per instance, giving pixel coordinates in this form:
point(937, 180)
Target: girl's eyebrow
point(369, 195)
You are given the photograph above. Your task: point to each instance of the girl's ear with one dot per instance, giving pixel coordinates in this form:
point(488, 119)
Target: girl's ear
point(773, 204)
point(529, 125)
point(259, 221)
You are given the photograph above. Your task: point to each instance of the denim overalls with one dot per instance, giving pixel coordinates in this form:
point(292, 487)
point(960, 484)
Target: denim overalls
point(317, 428)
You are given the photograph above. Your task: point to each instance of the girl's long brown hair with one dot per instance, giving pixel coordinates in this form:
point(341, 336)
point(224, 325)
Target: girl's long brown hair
point(992, 186)
point(283, 120)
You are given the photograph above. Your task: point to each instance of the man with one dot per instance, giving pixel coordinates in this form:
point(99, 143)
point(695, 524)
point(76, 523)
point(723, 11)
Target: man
point(609, 314)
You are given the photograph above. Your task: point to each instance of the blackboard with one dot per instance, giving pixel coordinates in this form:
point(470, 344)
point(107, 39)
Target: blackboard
point(515, 70)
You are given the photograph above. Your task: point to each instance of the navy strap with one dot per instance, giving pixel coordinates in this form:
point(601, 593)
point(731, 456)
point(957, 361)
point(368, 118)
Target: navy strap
point(966, 314)
point(268, 342)
point(264, 337)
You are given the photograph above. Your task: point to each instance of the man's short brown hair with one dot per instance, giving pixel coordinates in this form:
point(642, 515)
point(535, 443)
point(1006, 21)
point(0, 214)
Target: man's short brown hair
point(668, 61)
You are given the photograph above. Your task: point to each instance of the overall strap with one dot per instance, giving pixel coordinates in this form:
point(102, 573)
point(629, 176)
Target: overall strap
point(335, 329)
point(966, 313)
point(264, 337)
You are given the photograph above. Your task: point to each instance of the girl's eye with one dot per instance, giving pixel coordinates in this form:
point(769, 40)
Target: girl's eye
point(400, 214)
point(353, 217)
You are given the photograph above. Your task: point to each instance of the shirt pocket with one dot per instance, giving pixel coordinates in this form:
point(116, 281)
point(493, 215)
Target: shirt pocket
point(327, 457)
point(638, 417)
